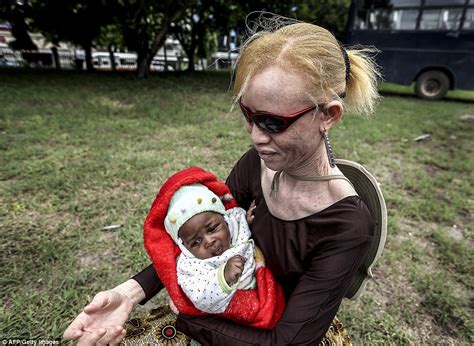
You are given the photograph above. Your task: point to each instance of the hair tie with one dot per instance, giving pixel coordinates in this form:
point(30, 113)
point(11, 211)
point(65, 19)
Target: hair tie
point(346, 62)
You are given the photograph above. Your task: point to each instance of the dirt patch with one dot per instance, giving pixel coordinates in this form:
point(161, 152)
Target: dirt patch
point(455, 232)
point(112, 103)
point(432, 169)
point(464, 216)
point(416, 231)
point(98, 258)
point(388, 171)
point(393, 293)
point(208, 153)
point(467, 118)
point(395, 178)
point(93, 261)
point(25, 216)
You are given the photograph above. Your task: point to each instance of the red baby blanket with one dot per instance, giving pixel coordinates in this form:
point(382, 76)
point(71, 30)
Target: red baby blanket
point(261, 307)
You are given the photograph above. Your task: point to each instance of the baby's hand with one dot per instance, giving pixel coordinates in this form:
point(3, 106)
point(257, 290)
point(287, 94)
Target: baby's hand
point(251, 212)
point(233, 269)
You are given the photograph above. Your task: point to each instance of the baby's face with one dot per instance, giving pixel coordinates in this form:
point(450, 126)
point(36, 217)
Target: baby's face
point(205, 235)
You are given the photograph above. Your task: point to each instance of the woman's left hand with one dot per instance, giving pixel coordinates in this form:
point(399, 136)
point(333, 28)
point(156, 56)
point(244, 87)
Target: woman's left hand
point(173, 307)
point(251, 212)
point(101, 322)
point(259, 258)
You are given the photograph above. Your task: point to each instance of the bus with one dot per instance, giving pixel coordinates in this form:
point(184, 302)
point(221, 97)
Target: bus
point(428, 42)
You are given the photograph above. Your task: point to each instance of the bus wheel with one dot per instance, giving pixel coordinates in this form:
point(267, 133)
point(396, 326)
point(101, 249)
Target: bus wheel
point(432, 85)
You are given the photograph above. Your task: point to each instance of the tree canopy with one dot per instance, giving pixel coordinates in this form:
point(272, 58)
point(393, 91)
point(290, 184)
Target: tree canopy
point(143, 25)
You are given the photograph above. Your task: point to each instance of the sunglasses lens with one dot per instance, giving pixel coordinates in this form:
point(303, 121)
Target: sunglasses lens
point(246, 114)
point(270, 123)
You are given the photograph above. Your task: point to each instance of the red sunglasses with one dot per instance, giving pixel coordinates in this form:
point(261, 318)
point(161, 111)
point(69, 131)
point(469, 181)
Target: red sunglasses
point(273, 123)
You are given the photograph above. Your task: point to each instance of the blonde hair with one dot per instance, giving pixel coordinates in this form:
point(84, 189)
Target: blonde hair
point(313, 53)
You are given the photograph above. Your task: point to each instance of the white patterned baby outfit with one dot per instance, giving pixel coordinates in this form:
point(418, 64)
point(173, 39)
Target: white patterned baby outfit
point(203, 279)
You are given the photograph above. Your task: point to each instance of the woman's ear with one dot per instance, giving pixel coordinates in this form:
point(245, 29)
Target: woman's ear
point(332, 113)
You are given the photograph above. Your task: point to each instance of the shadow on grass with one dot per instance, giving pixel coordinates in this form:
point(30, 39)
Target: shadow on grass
point(169, 98)
point(44, 74)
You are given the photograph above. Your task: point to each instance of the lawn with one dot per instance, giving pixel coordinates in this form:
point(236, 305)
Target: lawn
point(80, 152)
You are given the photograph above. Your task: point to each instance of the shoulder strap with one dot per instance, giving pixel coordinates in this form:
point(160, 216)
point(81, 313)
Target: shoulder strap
point(276, 179)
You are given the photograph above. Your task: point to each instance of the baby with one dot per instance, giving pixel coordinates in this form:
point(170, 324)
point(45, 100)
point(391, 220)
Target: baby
point(217, 255)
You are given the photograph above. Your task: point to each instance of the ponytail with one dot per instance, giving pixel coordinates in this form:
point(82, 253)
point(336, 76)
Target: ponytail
point(361, 86)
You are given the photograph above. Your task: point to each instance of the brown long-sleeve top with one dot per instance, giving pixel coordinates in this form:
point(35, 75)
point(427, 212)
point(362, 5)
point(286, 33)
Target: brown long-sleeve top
point(313, 258)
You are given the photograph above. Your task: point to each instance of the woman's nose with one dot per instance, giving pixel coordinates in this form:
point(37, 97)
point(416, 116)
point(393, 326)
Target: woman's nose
point(257, 135)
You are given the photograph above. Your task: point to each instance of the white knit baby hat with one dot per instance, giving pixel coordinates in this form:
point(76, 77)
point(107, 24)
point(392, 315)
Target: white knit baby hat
point(188, 201)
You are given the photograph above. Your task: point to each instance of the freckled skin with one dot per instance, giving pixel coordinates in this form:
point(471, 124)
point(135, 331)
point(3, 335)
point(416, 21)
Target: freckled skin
point(205, 235)
point(277, 91)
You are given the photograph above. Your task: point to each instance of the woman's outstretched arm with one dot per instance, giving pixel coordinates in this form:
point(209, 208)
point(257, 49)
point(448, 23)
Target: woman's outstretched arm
point(102, 320)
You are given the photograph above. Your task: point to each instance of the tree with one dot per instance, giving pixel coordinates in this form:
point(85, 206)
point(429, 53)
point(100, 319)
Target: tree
point(14, 12)
point(330, 14)
point(193, 31)
point(145, 25)
point(76, 21)
point(111, 37)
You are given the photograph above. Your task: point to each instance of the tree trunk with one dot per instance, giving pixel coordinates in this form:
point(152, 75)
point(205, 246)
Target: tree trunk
point(88, 50)
point(166, 56)
point(19, 27)
point(144, 60)
point(189, 46)
point(57, 63)
point(191, 51)
point(112, 57)
point(190, 60)
point(143, 64)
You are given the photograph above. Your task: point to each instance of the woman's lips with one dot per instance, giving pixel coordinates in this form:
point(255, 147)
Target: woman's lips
point(265, 155)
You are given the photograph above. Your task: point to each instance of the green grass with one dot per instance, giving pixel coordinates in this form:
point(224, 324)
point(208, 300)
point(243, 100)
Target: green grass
point(398, 89)
point(79, 152)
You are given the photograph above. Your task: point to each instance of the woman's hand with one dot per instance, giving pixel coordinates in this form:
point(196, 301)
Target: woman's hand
point(173, 307)
point(101, 322)
point(251, 212)
point(259, 258)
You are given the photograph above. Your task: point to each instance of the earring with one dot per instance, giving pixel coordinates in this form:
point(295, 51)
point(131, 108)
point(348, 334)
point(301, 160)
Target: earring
point(328, 148)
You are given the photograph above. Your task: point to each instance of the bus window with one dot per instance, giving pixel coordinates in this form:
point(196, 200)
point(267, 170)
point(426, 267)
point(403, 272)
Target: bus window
point(469, 19)
point(379, 19)
point(403, 3)
point(452, 18)
point(127, 62)
point(360, 21)
point(442, 19)
point(404, 19)
point(430, 20)
point(444, 2)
